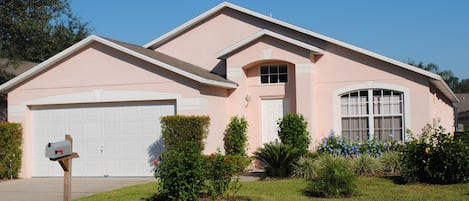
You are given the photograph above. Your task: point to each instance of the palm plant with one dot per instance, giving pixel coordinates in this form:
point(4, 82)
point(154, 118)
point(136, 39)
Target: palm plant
point(278, 158)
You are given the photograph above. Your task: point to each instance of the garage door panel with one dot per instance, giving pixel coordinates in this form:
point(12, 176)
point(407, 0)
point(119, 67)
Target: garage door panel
point(112, 129)
point(111, 139)
point(131, 128)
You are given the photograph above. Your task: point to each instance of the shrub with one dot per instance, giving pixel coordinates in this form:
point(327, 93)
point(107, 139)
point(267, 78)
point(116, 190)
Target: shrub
point(240, 163)
point(305, 167)
point(183, 172)
point(366, 165)
point(278, 158)
point(338, 146)
point(185, 132)
point(372, 147)
point(435, 158)
point(11, 138)
point(334, 178)
point(391, 163)
point(293, 131)
point(235, 140)
point(181, 175)
point(219, 172)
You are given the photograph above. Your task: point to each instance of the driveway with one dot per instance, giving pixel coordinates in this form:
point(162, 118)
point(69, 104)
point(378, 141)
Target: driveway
point(51, 189)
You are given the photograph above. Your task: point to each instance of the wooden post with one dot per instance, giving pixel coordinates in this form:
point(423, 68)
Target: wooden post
point(66, 164)
point(68, 174)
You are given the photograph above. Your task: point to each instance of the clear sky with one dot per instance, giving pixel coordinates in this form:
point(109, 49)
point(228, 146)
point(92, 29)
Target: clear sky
point(417, 30)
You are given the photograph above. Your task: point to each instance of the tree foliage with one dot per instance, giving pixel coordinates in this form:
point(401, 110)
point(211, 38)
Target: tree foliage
point(458, 86)
point(34, 30)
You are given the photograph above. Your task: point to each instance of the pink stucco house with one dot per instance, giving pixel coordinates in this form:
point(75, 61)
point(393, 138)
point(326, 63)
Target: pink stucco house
point(109, 95)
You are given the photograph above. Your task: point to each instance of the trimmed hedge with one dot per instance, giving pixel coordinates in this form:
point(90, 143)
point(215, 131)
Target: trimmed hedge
point(11, 138)
point(185, 132)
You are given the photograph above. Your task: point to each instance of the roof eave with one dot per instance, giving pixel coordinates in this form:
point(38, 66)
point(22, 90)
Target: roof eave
point(90, 39)
point(223, 53)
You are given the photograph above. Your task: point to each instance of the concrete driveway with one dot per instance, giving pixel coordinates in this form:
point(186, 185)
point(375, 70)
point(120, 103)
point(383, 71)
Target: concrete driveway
point(51, 189)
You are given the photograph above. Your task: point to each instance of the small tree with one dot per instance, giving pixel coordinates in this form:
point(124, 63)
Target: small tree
point(235, 140)
point(293, 131)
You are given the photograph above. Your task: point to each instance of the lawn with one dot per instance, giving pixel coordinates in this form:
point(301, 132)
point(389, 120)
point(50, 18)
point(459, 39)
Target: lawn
point(291, 190)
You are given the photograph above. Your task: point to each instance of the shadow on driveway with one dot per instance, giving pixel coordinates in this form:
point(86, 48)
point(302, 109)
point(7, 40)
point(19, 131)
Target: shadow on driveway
point(51, 189)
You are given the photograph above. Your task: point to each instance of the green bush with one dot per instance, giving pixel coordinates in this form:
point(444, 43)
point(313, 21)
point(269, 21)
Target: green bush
point(293, 131)
point(278, 159)
point(235, 140)
point(240, 163)
point(185, 132)
point(366, 165)
point(334, 178)
point(11, 138)
point(219, 172)
point(181, 175)
point(184, 173)
point(305, 167)
point(435, 158)
point(391, 162)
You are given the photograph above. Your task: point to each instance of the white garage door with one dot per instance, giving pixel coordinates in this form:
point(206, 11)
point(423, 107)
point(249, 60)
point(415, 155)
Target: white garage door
point(112, 139)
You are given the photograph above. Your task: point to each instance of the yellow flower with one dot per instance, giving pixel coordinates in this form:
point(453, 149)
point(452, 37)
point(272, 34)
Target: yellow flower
point(427, 150)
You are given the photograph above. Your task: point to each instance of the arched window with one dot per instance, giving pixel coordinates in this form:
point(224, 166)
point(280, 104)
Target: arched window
point(372, 113)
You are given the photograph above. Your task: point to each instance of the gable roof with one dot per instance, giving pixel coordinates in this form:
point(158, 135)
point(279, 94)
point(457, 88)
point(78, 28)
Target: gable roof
point(171, 64)
point(435, 79)
point(264, 32)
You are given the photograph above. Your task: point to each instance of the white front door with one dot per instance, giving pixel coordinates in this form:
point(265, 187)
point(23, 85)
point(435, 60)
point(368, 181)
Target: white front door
point(272, 111)
point(112, 139)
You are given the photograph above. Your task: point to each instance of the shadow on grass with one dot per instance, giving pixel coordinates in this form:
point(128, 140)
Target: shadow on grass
point(395, 179)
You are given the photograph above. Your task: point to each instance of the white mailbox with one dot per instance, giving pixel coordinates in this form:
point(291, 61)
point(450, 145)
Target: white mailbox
point(55, 150)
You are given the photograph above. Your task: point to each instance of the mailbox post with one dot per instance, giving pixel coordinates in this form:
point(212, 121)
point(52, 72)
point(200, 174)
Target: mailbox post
point(62, 152)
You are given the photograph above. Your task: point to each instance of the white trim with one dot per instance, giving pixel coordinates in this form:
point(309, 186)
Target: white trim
point(233, 72)
point(307, 68)
point(103, 96)
point(371, 121)
point(168, 36)
point(336, 115)
point(69, 51)
point(264, 32)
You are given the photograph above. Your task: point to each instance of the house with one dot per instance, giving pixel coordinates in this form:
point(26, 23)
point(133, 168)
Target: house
point(109, 95)
point(462, 109)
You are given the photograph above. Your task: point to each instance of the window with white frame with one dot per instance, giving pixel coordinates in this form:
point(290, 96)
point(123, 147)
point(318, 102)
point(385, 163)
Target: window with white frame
point(274, 73)
point(376, 112)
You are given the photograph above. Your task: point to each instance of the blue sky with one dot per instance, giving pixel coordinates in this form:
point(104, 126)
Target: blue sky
point(417, 30)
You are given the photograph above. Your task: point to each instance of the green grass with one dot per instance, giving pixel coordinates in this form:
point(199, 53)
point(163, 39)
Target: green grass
point(291, 190)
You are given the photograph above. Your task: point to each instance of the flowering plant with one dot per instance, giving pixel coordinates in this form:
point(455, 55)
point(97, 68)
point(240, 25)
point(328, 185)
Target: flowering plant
point(337, 146)
point(435, 157)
